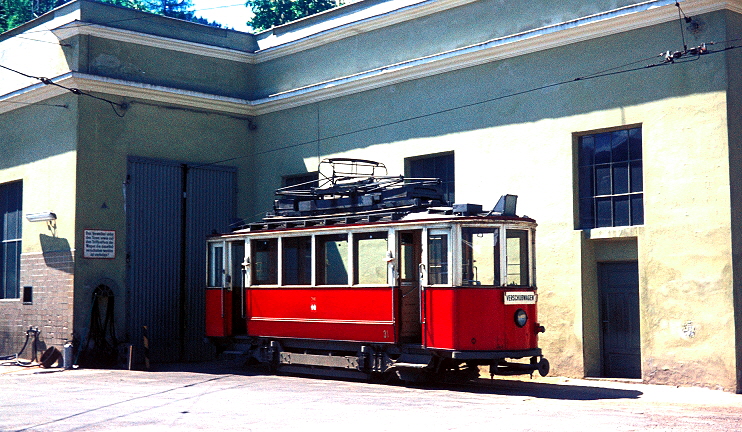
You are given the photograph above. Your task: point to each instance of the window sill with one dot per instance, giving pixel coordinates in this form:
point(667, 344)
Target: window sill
point(614, 232)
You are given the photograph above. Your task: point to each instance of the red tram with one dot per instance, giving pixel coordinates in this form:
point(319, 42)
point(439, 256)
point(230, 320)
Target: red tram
point(367, 277)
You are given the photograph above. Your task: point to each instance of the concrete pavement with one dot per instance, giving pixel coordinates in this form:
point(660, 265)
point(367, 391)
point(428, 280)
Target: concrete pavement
point(220, 396)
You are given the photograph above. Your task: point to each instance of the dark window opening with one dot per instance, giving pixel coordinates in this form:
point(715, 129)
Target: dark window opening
point(265, 262)
point(297, 261)
point(437, 166)
point(11, 221)
point(300, 181)
point(610, 179)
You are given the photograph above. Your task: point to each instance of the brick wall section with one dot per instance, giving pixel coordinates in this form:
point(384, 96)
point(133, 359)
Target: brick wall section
point(51, 276)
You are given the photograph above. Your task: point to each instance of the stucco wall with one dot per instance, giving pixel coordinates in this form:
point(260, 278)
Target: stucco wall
point(734, 118)
point(453, 28)
point(39, 148)
point(525, 145)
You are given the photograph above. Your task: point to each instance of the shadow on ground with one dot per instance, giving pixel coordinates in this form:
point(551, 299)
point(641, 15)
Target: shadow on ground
point(504, 387)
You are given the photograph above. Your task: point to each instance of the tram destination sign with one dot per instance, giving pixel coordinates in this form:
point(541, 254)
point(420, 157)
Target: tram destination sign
point(100, 244)
point(520, 297)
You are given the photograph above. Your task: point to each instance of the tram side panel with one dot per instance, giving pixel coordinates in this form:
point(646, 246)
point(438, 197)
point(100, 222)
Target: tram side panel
point(339, 313)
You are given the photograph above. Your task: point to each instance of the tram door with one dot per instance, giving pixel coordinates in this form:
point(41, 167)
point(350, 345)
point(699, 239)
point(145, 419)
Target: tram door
point(225, 310)
point(410, 249)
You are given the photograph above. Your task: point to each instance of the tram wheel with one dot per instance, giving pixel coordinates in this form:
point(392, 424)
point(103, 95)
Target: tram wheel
point(543, 367)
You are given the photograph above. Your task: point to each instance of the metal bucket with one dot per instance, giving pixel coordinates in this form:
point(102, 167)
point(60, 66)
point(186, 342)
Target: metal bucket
point(67, 355)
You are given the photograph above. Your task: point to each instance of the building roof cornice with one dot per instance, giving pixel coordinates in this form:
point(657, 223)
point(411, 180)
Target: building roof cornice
point(78, 28)
point(621, 20)
point(613, 22)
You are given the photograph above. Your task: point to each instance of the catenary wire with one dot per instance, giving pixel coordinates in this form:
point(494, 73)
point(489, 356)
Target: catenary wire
point(603, 73)
point(73, 90)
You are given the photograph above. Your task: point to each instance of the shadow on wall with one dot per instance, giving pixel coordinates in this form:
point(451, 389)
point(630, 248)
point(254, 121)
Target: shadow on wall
point(57, 253)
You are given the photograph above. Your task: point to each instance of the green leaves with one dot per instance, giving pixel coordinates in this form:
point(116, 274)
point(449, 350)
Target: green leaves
point(16, 12)
point(269, 13)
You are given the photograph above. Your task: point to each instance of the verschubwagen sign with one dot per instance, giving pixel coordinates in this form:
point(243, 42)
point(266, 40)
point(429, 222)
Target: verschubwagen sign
point(100, 244)
point(521, 297)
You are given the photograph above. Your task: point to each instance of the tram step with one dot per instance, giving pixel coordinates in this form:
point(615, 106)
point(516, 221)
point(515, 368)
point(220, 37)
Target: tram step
point(232, 354)
point(410, 365)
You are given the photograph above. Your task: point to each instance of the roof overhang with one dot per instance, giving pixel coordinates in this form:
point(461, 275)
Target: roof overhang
point(591, 27)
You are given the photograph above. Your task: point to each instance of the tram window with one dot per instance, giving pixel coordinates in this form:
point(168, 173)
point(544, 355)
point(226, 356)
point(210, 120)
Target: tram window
point(407, 257)
point(297, 261)
point(332, 260)
point(517, 257)
point(265, 262)
point(437, 258)
point(370, 258)
point(480, 249)
point(216, 264)
point(238, 255)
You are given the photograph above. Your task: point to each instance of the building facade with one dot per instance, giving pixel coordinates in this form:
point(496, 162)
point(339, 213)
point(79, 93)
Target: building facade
point(617, 123)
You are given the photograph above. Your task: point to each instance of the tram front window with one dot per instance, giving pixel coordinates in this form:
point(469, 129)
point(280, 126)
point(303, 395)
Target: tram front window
point(437, 258)
point(517, 257)
point(480, 248)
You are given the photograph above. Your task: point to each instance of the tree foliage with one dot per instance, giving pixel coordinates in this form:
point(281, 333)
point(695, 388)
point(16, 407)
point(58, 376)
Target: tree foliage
point(269, 13)
point(16, 12)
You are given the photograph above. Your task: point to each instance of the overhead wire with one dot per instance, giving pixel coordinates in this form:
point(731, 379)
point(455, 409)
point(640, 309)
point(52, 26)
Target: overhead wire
point(621, 69)
point(73, 90)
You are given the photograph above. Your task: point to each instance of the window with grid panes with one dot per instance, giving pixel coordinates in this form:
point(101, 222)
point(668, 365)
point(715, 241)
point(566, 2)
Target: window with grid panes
point(11, 219)
point(435, 166)
point(610, 179)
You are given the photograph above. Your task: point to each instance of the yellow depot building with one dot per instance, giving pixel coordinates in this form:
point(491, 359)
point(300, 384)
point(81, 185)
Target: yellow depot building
point(128, 137)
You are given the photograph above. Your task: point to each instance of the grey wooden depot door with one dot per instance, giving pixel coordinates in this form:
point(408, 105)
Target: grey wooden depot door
point(618, 284)
point(171, 208)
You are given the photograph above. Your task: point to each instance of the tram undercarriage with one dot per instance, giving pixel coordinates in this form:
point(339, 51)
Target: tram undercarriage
point(384, 362)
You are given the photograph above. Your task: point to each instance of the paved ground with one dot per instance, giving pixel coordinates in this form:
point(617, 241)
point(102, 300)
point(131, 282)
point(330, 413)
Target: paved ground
point(218, 396)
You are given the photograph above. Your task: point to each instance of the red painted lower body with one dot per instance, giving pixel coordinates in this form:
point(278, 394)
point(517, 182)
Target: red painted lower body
point(344, 313)
point(455, 318)
point(218, 312)
point(476, 319)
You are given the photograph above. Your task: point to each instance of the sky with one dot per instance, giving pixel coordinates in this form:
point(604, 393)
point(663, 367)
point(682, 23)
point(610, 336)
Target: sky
point(230, 13)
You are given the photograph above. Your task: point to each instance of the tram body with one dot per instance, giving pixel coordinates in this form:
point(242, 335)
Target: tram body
point(425, 293)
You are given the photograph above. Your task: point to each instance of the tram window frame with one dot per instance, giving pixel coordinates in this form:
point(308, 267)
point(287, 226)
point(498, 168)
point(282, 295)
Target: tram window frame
point(360, 257)
point(296, 270)
point(215, 265)
point(322, 264)
point(523, 254)
point(442, 277)
point(267, 248)
point(469, 272)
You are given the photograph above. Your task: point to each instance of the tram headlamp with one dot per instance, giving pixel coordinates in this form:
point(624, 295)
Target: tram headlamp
point(521, 317)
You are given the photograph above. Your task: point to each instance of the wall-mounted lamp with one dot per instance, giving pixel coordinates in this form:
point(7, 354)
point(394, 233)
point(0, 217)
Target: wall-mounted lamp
point(41, 217)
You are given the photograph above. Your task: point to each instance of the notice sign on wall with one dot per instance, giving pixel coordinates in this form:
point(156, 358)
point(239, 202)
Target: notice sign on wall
point(100, 244)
